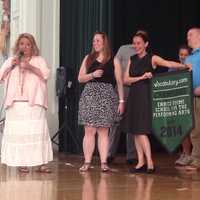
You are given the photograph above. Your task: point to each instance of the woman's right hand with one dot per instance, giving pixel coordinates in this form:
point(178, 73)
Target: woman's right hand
point(121, 108)
point(97, 73)
point(15, 61)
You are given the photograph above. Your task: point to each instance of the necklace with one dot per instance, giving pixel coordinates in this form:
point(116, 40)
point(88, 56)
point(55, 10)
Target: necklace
point(22, 74)
point(26, 59)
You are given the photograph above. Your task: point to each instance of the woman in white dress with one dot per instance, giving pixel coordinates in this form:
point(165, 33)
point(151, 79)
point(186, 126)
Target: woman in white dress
point(26, 140)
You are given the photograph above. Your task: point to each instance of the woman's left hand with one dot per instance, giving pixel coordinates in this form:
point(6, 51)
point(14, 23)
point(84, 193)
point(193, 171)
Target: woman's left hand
point(24, 65)
point(148, 75)
point(121, 108)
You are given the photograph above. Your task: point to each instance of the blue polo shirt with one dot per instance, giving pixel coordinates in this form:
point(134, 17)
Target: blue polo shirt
point(194, 59)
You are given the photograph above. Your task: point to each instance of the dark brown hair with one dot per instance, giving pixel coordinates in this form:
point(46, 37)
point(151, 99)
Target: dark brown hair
point(107, 52)
point(34, 48)
point(184, 46)
point(143, 34)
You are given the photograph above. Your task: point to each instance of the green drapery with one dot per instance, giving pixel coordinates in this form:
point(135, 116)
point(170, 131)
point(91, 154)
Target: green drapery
point(79, 19)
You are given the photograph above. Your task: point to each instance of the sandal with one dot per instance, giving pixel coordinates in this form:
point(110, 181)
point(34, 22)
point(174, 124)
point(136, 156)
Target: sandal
point(23, 169)
point(191, 167)
point(104, 167)
point(85, 167)
point(44, 169)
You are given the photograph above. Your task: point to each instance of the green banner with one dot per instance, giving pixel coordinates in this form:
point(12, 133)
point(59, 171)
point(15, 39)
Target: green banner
point(172, 107)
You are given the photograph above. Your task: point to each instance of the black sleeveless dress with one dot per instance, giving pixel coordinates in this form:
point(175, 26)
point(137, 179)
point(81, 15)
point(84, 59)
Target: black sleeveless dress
point(137, 119)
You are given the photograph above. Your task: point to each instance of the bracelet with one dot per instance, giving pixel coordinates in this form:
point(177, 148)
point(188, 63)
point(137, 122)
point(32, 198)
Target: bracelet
point(121, 101)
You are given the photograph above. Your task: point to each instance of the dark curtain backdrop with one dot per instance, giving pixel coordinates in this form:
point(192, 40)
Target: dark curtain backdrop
point(79, 19)
point(166, 22)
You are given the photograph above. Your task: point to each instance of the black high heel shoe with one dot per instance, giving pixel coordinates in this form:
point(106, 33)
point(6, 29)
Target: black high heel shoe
point(141, 169)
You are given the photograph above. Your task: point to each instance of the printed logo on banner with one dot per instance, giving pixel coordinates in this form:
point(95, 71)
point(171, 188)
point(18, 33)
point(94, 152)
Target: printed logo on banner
point(172, 107)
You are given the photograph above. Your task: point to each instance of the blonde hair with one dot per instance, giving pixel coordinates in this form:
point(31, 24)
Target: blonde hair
point(34, 47)
point(2, 41)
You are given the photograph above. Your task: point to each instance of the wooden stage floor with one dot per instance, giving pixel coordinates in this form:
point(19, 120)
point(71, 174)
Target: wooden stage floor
point(67, 183)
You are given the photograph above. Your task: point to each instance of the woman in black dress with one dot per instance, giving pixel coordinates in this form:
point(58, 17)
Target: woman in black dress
point(137, 117)
point(99, 106)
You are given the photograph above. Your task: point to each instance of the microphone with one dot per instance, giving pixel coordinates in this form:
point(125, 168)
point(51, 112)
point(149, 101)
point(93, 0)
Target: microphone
point(19, 57)
point(21, 75)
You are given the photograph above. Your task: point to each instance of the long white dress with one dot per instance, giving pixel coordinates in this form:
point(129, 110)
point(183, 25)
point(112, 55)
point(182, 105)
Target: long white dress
point(26, 140)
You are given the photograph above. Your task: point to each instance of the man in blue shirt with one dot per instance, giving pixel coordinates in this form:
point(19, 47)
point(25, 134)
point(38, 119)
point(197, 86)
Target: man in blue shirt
point(193, 38)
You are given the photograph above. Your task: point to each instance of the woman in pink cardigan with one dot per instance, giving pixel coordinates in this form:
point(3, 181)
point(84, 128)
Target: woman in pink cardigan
point(26, 142)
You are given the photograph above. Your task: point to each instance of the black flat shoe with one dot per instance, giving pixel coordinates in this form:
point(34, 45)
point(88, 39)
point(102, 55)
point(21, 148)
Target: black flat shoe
point(151, 170)
point(142, 169)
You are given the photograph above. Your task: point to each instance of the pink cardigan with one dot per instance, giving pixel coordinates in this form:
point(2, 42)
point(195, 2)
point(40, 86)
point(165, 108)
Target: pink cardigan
point(35, 88)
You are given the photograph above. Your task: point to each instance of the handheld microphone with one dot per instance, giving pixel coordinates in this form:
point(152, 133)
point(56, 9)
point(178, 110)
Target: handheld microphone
point(21, 75)
point(20, 55)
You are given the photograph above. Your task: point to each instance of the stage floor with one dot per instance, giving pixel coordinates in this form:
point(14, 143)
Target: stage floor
point(67, 183)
